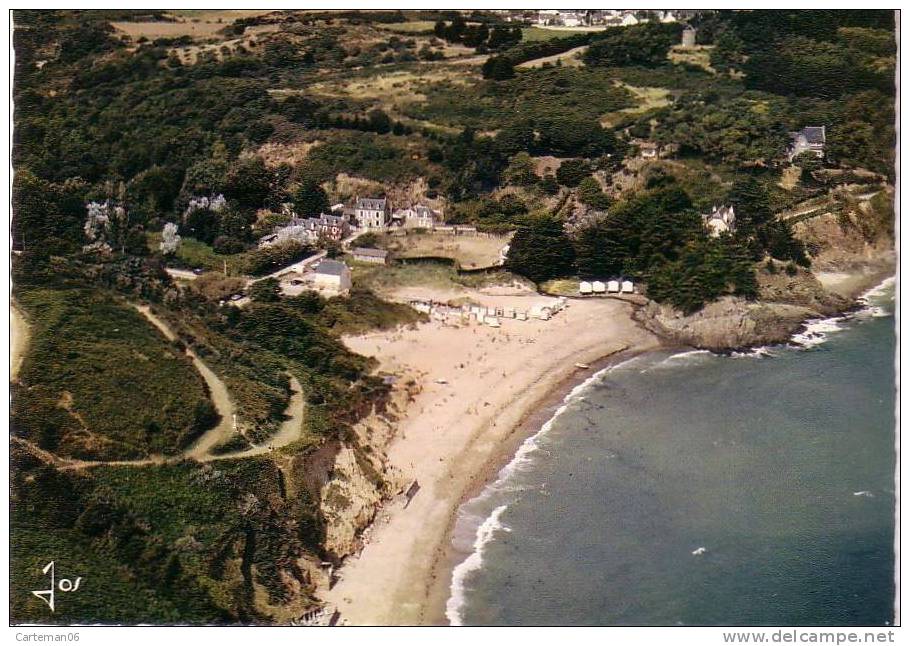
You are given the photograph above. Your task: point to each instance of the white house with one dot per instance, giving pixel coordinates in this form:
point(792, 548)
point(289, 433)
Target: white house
point(809, 139)
point(332, 275)
point(720, 220)
point(584, 287)
point(418, 216)
point(613, 286)
point(598, 287)
point(629, 19)
point(627, 287)
point(371, 213)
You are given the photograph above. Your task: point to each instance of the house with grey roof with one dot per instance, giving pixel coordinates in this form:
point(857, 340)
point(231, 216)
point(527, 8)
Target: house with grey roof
point(371, 213)
point(809, 139)
point(368, 254)
point(332, 275)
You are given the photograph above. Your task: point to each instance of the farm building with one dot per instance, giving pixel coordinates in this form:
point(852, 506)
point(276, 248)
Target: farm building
point(366, 254)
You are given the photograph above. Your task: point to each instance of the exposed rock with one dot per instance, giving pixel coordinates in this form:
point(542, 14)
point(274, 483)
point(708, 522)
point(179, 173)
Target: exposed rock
point(726, 324)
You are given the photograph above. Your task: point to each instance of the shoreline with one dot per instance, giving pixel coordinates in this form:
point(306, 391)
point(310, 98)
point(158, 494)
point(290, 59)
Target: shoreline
point(419, 592)
point(439, 589)
point(458, 454)
point(853, 287)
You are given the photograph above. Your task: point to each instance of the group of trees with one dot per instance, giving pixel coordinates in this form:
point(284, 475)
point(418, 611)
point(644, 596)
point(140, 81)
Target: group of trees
point(826, 64)
point(659, 237)
point(477, 35)
point(645, 44)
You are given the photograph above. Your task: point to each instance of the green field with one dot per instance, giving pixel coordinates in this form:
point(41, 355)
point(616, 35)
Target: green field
point(531, 34)
point(412, 27)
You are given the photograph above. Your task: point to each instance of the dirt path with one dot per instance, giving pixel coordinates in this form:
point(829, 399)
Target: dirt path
point(18, 341)
point(291, 429)
point(219, 393)
point(570, 57)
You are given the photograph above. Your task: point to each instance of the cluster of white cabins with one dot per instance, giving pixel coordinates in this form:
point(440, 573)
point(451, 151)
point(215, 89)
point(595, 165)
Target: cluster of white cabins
point(490, 316)
point(615, 286)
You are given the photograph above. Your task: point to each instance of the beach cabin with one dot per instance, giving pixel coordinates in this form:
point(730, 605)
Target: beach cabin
point(509, 313)
point(521, 315)
point(584, 287)
point(613, 286)
point(627, 287)
point(542, 312)
point(598, 287)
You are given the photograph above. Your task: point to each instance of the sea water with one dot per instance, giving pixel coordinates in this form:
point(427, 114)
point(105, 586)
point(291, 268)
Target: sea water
point(691, 488)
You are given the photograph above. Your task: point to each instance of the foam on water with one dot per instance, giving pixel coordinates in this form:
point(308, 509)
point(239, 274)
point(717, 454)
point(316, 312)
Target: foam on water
point(486, 529)
point(817, 331)
point(484, 535)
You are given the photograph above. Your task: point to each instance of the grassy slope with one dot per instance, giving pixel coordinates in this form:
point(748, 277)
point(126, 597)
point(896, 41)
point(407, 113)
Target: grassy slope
point(100, 382)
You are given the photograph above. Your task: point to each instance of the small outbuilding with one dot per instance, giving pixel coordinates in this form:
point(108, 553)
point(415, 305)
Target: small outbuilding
point(598, 287)
point(334, 275)
point(368, 254)
point(627, 287)
point(613, 286)
point(584, 287)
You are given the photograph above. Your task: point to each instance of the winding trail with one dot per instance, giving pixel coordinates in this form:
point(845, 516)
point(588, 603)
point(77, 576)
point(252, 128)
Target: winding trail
point(291, 429)
point(219, 393)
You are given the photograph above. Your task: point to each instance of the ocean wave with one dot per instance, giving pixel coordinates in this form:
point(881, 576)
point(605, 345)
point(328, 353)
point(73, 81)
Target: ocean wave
point(686, 358)
point(761, 352)
point(519, 461)
point(816, 331)
point(474, 562)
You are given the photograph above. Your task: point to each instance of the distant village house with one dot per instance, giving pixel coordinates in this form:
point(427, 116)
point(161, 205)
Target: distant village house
point(688, 36)
point(417, 217)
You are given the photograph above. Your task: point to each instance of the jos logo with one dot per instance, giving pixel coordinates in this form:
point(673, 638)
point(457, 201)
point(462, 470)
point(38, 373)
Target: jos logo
point(63, 585)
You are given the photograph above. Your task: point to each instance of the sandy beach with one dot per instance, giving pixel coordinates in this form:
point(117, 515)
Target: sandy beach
point(480, 385)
